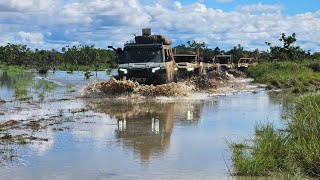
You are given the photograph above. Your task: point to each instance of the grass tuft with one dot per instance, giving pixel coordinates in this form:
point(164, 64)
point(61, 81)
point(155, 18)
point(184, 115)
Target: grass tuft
point(294, 150)
point(300, 77)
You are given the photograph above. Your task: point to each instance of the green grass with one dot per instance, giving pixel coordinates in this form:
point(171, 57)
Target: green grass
point(13, 70)
point(21, 88)
point(70, 88)
point(305, 134)
point(34, 126)
point(294, 150)
point(298, 76)
point(84, 68)
point(262, 155)
point(26, 88)
point(44, 86)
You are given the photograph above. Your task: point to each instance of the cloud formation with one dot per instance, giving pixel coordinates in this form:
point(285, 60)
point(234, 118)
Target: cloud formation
point(224, 1)
point(260, 8)
point(53, 24)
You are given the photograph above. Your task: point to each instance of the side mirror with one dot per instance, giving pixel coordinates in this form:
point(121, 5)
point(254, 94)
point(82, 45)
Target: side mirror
point(110, 47)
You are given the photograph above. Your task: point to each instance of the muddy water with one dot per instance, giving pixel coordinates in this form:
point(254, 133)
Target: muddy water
point(97, 138)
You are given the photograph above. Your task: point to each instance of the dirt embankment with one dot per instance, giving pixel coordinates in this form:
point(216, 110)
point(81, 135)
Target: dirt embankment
point(212, 83)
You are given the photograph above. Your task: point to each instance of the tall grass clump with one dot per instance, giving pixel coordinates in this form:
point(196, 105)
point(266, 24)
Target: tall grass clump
point(264, 154)
point(294, 150)
point(298, 76)
point(304, 136)
point(20, 88)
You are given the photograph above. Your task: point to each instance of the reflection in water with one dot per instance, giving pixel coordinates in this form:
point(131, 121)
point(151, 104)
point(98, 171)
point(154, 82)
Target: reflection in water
point(176, 140)
point(5, 80)
point(284, 99)
point(6, 85)
point(146, 127)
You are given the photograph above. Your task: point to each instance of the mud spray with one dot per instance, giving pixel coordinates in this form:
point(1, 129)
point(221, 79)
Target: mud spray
point(115, 87)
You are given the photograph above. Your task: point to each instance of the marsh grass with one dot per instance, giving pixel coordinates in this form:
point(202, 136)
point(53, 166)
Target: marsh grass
point(72, 68)
point(294, 151)
point(22, 141)
point(300, 77)
point(262, 155)
point(13, 70)
point(305, 134)
point(34, 125)
point(70, 88)
point(7, 137)
point(20, 88)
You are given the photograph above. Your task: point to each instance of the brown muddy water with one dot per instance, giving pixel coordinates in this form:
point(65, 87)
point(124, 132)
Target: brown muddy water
point(53, 133)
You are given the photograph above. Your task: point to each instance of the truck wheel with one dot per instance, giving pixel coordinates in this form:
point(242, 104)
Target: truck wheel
point(117, 77)
point(160, 79)
point(223, 69)
point(197, 72)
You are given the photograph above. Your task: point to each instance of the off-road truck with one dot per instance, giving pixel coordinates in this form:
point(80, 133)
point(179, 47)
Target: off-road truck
point(148, 60)
point(244, 63)
point(187, 65)
point(223, 62)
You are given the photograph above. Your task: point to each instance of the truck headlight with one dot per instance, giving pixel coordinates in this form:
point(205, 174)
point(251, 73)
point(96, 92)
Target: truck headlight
point(125, 71)
point(175, 68)
point(155, 69)
point(190, 69)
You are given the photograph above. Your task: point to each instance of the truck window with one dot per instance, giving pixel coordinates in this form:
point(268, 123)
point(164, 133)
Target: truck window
point(166, 57)
point(141, 55)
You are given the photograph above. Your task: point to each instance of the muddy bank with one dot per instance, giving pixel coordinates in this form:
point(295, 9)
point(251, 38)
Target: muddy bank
point(211, 84)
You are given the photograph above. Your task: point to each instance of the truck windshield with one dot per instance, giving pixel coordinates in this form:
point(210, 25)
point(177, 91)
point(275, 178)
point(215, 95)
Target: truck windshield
point(223, 60)
point(189, 59)
point(141, 55)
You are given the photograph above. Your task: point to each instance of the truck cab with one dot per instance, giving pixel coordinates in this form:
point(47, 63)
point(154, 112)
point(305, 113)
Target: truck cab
point(244, 63)
point(223, 62)
point(149, 60)
point(187, 65)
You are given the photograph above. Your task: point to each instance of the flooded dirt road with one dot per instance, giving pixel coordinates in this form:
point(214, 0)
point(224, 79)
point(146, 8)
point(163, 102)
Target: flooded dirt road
point(55, 134)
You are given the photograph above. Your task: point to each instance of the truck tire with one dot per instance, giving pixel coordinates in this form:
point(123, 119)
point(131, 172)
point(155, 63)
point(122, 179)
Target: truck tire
point(161, 79)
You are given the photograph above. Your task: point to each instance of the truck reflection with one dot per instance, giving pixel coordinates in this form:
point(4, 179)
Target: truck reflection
point(147, 131)
point(147, 127)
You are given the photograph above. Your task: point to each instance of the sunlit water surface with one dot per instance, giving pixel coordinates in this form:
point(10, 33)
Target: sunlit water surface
point(131, 139)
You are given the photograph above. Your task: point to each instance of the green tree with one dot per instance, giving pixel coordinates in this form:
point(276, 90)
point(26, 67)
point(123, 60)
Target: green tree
point(288, 51)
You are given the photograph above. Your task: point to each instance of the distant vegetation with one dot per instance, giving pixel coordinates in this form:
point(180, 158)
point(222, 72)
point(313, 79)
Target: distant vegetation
point(85, 57)
point(70, 58)
point(293, 151)
point(287, 52)
point(298, 77)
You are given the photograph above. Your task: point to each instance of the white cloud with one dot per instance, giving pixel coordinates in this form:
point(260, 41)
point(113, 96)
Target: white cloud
point(28, 5)
point(224, 1)
point(260, 8)
point(107, 22)
point(177, 5)
point(108, 12)
point(76, 13)
point(31, 37)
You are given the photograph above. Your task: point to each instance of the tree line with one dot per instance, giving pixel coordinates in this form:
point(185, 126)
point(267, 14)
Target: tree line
point(70, 56)
point(287, 52)
point(89, 56)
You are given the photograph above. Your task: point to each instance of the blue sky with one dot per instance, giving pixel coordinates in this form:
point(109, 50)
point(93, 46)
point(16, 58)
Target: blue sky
point(290, 7)
point(52, 24)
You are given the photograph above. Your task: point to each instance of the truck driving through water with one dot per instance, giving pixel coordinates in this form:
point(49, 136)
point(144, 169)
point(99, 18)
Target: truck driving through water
point(188, 64)
point(149, 60)
point(223, 62)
